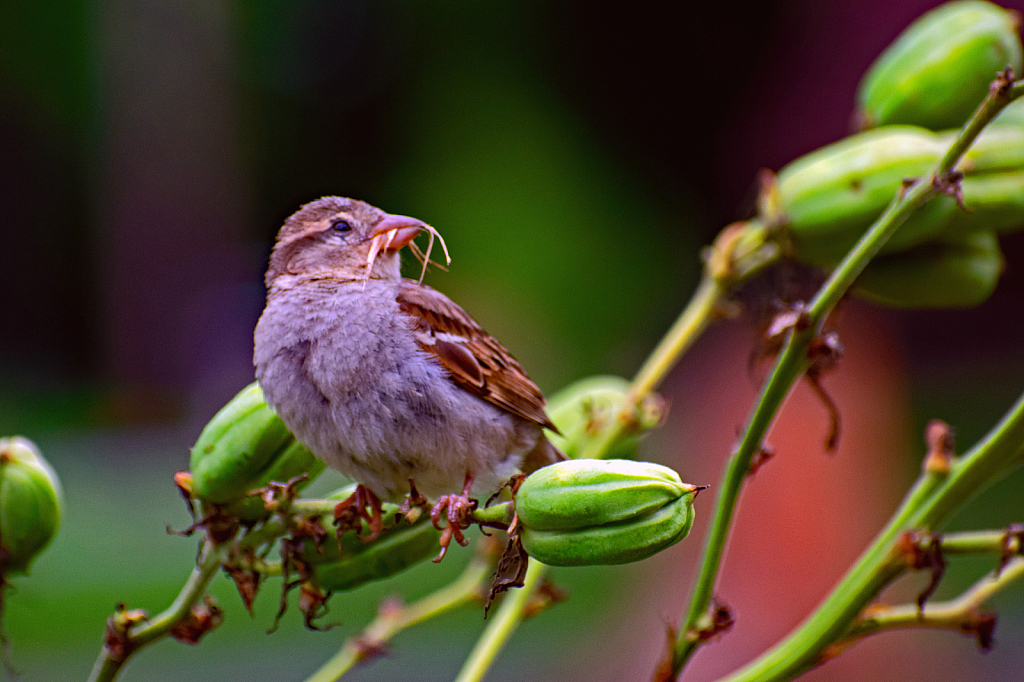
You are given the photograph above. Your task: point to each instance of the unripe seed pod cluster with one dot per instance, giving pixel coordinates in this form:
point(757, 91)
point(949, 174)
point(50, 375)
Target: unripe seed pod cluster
point(931, 79)
point(830, 197)
point(244, 447)
point(30, 501)
point(585, 511)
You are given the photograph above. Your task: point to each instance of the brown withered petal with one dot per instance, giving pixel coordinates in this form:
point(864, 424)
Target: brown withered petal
point(544, 598)
point(511, 568)
point(248, 583)
point(663, 671)
point(115, 638)
point(203, 617)
point(313, 604)
point(984, 626)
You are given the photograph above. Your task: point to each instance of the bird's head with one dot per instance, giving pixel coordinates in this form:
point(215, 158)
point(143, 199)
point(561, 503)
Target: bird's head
point(345, 239)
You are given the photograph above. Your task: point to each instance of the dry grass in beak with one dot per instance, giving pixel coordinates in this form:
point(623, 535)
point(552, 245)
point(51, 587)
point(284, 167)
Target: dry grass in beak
point(379, 243)
point(382, 241)
point(425, 257)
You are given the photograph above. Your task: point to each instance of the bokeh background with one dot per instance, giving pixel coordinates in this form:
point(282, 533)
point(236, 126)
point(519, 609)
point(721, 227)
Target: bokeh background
point(576, 156)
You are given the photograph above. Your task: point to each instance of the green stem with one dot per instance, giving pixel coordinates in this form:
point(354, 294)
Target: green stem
point(211, 558)
point(307, 507)
point(990, 460)
point(393, 620)
point(999, 96)
point(495, 515)
point(880, 564)
point(738, 253)
point(791, 364)
point(977, 542)
point(843, 277)
point(499, 630)
point(684, 331)
point(687, 328)
point(960, 614)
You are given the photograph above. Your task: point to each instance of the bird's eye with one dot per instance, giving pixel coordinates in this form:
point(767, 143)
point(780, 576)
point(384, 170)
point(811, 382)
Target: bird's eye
point(341, 225)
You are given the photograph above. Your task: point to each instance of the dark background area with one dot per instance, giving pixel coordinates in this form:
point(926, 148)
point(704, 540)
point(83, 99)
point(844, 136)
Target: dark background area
point(574, 155)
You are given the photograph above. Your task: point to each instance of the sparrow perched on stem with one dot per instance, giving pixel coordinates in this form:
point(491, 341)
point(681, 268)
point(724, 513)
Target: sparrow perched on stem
point(384, 378)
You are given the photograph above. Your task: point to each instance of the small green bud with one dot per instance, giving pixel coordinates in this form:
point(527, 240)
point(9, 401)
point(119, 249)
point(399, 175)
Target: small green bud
point(959, 272)
point(244, 447)
point(30, 501)
point(586, 408)
point(830, 197)
point(348, 562)
point(586, 512)
point(938, 70)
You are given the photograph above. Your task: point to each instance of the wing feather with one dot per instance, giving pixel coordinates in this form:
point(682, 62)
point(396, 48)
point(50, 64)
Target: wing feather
point(473, 358)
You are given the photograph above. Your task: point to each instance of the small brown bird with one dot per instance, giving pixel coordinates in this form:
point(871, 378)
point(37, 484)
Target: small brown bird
point(384, 378)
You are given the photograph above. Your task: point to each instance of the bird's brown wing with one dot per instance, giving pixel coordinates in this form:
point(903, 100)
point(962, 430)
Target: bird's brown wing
point(473, 358)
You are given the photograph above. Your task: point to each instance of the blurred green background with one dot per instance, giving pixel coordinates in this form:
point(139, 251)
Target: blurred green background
point(574, 155)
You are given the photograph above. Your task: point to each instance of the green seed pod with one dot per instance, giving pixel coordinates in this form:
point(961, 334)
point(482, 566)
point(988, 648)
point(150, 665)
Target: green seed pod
point(585, 409)
point(959, 272)
point(830, 197)
point(994, 202)
point(30, 501)
point(938, 70)
point(349, 562)
point(586, 512)
point(590, 492)
point(993, 184)
point(244, 447)
point(395, 550)
point(999, 149)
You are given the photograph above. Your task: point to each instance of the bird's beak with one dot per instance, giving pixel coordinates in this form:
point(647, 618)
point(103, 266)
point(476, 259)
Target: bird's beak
point(396, 231)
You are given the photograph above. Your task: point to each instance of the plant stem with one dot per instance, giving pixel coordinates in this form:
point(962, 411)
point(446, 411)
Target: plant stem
point(740, 251)
point(978, 542)
point(960, 614)
point(211, 558)
point(680, 337)
point(903, 206)
point(879, 565)
point(393, 620)
point(495, 515)
point(790, 365)
point(984, 464)
point(687, 328)
point(499, 630)
point(684, 331)
point(308, 507)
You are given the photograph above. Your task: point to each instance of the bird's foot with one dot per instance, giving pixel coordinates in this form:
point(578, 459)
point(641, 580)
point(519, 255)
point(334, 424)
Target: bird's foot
point(413, 505)
point(362, 505)
point(457, 510)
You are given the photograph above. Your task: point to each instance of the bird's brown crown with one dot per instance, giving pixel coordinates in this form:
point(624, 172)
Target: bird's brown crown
point(331, 234)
